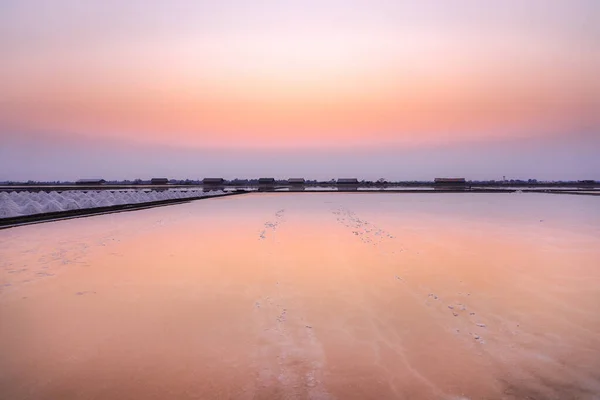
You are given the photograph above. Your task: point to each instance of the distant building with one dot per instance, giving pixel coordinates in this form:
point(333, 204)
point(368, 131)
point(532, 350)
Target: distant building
point(266, 184)
point(588, 182)
point(296, 184)
point(450, 184)
point(159, 181)
point(213, 181)
point(347, 184)
point(450, 181)
point(266, 181)
point(90, 182)
point(347, 181)
point(210, 184)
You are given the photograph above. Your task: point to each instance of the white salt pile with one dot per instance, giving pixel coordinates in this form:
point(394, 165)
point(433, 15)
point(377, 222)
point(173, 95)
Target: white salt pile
point(15, 204)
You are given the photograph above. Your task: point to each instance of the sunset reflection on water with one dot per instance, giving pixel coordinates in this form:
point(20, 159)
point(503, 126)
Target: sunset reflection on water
point(307, 296)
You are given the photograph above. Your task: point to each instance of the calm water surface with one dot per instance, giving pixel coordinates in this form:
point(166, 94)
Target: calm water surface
point(320, 296)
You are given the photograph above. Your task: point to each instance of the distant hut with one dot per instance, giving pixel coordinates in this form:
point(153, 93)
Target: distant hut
point(450, 181)
point(347, 184)
point(159, 181)
point(347, 181)
point(210, 184)
point(266, 184)
point(90, 182)
point(213, 181)
point(296, 181)
point(296, 184)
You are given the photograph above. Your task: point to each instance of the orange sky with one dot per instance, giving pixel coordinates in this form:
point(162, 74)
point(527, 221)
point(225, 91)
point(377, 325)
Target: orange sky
point(278, 75)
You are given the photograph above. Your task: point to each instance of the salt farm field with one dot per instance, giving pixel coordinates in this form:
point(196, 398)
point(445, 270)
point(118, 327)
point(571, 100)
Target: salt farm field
point(307, 296)
point(15, 204)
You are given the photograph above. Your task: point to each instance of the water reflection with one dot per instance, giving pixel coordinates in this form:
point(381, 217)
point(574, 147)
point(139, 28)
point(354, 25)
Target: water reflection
point(308, 295)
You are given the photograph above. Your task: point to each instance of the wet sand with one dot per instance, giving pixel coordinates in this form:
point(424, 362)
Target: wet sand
point(321, 296)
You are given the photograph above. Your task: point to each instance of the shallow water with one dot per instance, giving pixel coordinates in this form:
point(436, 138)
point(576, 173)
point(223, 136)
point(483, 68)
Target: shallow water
point(324, 296)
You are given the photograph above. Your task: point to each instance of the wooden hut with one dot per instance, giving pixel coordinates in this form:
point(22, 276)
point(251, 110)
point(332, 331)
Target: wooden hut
point(266, 184)
point(296, 181)
point(347, 184)
point(450, 181)
point(213, 181)
point(347, 181)
point(450, 184)
point(210, 184)
point(296, 184)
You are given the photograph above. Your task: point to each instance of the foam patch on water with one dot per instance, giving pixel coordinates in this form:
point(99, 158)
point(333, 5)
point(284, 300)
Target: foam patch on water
point(15, 204)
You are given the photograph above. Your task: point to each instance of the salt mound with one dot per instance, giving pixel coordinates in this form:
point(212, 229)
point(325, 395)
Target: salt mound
point(94, 196)
point(129, 198)
point(72, 195)
point(142, 195)
point(9, 208)
point(87, 203)
point(5, 212)
point(52, 206)
point(70, 205)
point(43, 197)
point(13, 203)
point(101, 195)
point(32, 207)
point(121, 196)
point(34, 196)
point(56, 196)
point(119, 201)
point(135, 197)
point(104, 203)
point(106, 196)
point(20, 198)
point(158, 196)
point(145, 197)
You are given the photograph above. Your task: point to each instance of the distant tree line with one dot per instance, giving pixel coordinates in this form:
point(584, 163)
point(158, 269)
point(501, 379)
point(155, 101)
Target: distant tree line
point(309, 182)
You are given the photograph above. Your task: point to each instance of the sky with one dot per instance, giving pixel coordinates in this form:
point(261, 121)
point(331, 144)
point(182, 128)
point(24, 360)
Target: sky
point(320, 89)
